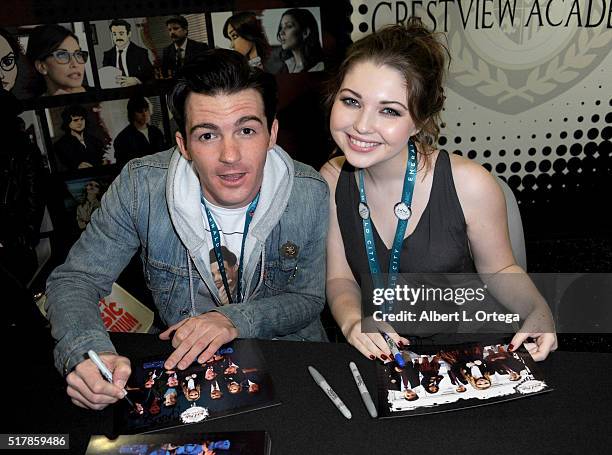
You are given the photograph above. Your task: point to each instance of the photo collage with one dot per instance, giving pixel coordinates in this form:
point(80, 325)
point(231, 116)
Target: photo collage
point(94, 92)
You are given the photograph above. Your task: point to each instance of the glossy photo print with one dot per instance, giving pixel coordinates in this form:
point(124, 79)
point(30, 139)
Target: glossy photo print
point(234, 380)
point(455, 377)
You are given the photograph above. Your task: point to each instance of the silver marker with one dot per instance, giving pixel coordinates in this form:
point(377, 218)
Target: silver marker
point(105, 371)
point(321, 382)
point(365, 395)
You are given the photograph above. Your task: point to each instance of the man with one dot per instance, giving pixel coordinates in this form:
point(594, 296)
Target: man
point(226, 161)
point(77, 149)
point(182, 50)
point(139, 138)
point(130, 59)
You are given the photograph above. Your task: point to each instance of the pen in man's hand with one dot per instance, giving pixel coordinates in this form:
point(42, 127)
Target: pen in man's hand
point(105, 371)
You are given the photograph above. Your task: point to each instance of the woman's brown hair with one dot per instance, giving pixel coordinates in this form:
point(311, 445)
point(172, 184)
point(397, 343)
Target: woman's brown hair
point(420, 56)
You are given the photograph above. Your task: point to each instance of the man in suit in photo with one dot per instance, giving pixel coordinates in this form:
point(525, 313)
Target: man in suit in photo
point(182, 49)
point(131, 59)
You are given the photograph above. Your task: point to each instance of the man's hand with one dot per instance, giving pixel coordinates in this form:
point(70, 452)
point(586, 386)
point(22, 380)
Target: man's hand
point(88, 389)
point(198, 337)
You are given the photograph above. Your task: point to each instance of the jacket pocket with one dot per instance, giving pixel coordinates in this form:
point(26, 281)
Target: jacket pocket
point(161, 283)
point(279, 275)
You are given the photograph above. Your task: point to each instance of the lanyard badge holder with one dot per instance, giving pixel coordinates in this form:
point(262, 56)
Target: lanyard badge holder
point(403, 212)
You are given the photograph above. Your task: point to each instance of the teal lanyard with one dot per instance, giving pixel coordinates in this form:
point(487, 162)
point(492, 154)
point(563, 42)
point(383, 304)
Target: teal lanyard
point(216, 240)
point(403, 212)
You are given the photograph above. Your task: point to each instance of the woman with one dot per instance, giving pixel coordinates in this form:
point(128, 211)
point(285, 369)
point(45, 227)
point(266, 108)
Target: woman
point(457, 215)
point(298, 33)
point(247, 37)
point(9, 55)
point(58, 60)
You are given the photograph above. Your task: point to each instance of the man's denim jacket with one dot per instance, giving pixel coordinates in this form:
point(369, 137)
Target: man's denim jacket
point(154, 205)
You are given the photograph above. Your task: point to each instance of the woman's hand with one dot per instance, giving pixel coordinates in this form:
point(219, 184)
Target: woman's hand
point(544, 344)
point(373, 345)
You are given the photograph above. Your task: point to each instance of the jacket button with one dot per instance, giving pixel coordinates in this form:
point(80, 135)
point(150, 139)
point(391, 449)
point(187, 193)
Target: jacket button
point(184, 312)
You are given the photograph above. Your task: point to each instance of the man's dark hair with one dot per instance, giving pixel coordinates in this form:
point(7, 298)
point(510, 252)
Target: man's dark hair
point(221, 71)
point(120, 23)
point(228, 256)
point(136, 103)
point(72, 111)
point(180, 20)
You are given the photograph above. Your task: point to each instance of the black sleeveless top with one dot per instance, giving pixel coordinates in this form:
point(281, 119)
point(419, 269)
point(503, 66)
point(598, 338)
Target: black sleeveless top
point(439, 244)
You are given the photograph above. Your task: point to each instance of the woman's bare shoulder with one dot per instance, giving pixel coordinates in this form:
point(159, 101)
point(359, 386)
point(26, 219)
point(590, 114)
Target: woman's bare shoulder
point(472, 181)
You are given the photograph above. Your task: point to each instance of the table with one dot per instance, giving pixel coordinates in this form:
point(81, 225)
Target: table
point(574, 418)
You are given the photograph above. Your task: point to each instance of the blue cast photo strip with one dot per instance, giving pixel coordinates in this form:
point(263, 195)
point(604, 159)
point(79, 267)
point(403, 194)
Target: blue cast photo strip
point(194, 443)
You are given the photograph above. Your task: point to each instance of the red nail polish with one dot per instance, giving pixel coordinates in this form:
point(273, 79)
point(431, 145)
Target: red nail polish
point(400, 344)
point(372, 357)
point(383, 356)
point(511, 347)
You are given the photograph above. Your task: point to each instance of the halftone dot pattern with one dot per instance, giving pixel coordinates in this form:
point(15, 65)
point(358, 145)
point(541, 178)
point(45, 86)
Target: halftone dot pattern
point(559, 147)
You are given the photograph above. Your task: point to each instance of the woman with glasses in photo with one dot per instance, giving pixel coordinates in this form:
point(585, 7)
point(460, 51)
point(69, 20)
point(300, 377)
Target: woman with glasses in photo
point(58, 60)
